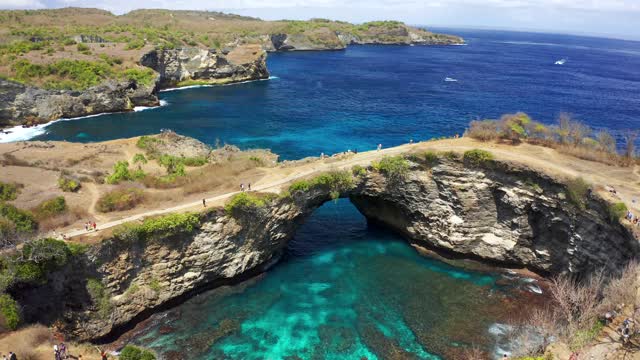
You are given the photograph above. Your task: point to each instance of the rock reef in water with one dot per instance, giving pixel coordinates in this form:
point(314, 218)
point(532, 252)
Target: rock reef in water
point(498, 213)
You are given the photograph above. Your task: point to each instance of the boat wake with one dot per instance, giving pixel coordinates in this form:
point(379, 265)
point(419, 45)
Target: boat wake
point(448, 79)
point(561, 61)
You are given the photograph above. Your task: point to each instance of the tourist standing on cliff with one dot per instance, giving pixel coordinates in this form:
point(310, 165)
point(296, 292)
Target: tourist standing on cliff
point(379, 147)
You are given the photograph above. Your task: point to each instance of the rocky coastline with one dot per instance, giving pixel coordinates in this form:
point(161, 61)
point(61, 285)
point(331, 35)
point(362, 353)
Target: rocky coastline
point(497, 212)
point(242, 60)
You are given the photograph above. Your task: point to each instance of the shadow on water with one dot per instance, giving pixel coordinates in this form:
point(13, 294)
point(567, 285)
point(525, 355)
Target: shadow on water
point(343, 291)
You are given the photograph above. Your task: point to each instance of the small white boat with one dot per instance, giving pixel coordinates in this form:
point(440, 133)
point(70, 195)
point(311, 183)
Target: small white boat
point(561, 62)
point(448, 79)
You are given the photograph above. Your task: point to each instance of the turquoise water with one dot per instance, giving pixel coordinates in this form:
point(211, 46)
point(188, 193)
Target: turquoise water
point(344, 291)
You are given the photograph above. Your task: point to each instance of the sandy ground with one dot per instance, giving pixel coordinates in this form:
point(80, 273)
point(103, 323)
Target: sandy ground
point(50, 158)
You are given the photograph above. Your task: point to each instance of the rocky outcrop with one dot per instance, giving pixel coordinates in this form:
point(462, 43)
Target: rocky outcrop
point(497, 212)
point(176, 66)
point(29, 105)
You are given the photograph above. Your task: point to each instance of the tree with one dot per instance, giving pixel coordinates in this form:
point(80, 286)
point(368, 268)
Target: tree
point(606, 141)
point(630, 143)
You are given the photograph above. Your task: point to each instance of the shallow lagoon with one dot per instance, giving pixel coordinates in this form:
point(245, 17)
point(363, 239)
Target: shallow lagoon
point(347, 291)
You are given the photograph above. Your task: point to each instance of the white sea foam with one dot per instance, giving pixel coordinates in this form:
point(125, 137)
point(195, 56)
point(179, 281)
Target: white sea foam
point(534, 288)
point(143, 108)
point(20, 133)
point(208, 85)
point(448, 79)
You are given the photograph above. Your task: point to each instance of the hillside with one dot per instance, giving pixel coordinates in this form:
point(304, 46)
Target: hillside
point(76, 48)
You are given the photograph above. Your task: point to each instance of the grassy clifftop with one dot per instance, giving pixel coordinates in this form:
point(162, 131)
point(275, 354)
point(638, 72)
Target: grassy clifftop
point(75, 48)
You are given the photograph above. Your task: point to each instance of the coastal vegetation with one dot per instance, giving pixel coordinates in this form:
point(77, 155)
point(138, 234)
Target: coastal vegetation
point(337, 182)
point(68, 184)
point(392, 166)
point(477, 157)
point(158, 227)
point(574, 315)
point(131, 352)
point(247, 200)
point(568, 136)
point(76, 48)
point(120, 199)
point(8, 191)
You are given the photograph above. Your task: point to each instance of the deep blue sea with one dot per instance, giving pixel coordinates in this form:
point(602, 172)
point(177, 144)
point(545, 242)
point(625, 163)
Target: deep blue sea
point(354, 99)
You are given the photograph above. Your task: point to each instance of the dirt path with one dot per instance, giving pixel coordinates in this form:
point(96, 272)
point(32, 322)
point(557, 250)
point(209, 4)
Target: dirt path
point(539, 158)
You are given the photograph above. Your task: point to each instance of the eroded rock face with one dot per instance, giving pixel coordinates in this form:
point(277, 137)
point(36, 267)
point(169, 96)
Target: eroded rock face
point(28, 105)
point(242, 63)
point(499, 213)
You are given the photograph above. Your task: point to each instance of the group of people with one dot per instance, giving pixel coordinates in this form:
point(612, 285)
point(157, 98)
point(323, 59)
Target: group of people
point(632, 218)
point(12, 356)
point(90, 225)
point(60, 351)
point(626, 329)
point(248, 187)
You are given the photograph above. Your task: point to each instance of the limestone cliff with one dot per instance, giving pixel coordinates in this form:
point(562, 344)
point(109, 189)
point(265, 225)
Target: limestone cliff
point(176, 66)
point(328, 39)
point(21, 104)
point(495, 212)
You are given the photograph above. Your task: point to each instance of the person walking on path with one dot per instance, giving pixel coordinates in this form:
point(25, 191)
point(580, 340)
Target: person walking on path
point(95, 226)
point(204, 202)
point(379, 147)
point(249, 186)
point(12, 356)
point(242, 187)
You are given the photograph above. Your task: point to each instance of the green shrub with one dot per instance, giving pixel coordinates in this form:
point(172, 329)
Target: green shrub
point(174, 165)
point(143, 77)
point(67, 184)
point(100, 297)
point(83, 48)
point(155, 285)
point(257, 160)
point(158, 227)
point(358, 171)
point(146, 142)
point(51, 207)
point(23, 220)
point(135, 44)
point(31, 263)
point(616, 211)
point(392, 166)
point(120, 199)
point(334, 181)
point(194, 161)
point(8, 191)
point(246, 200)
point(120, 173)
point(10, 311)
point(139, 158)
point(477, 157)
point(131, 352)
point(577, 190)
point(431, 158)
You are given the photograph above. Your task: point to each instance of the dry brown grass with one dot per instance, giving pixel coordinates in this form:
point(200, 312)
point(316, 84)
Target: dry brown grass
point(24, 342)
point(592, 154)
point(70, 217)
point(35, 342)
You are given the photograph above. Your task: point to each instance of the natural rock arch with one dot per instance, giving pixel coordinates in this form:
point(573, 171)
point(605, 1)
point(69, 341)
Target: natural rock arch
point(495, 212)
